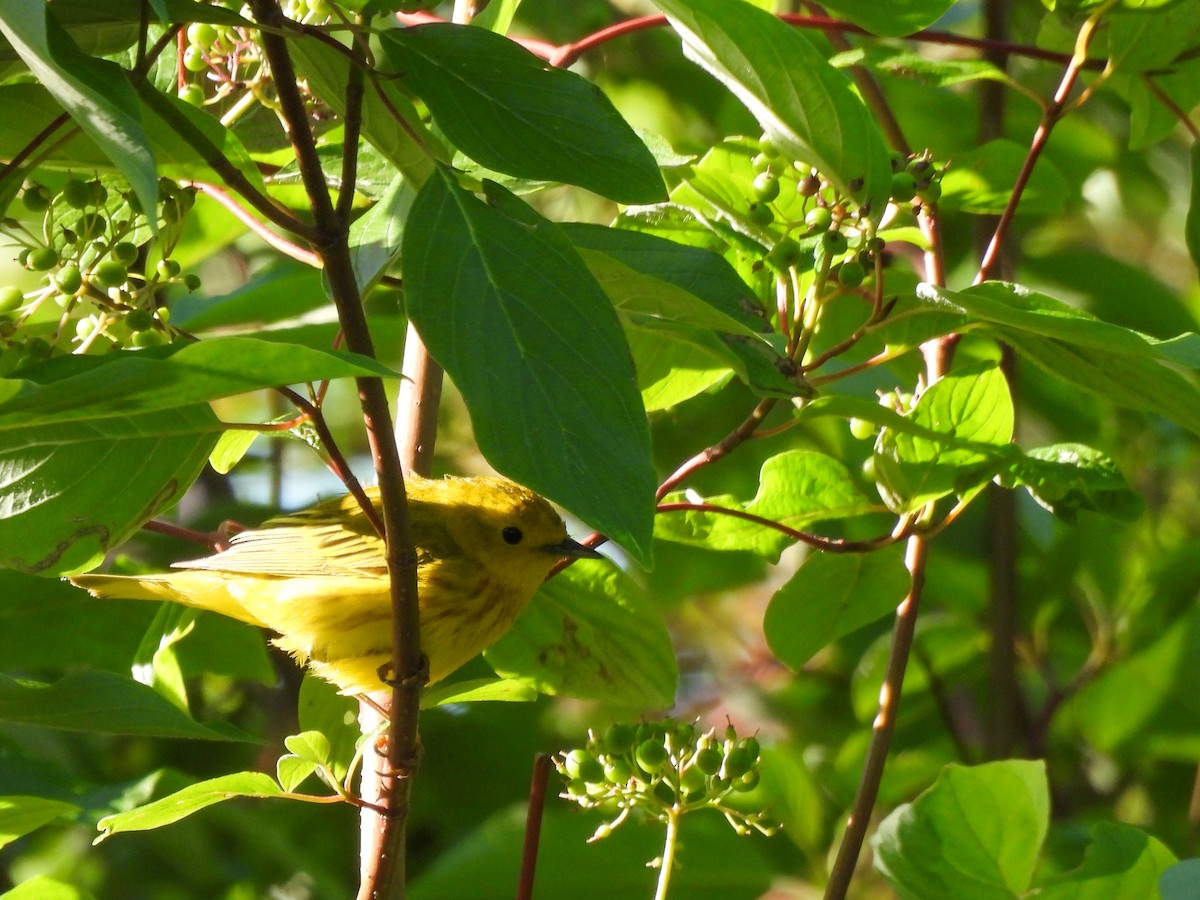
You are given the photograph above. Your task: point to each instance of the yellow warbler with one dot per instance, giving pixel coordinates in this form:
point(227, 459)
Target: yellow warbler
point(318, 577)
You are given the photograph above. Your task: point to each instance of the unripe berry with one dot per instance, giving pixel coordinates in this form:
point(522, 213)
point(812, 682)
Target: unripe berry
point(861, 429)
point(766, 187)
point(139, 320)
point(110, 274)
point(125, 253)
point(194, 60)
point(76, 194)
point(851, 273)
point(819, 218)
point(36, 198)
point(835, 242)
point(201, 34)
point(192, 94)
point(42, 259)
point(618, 738)
point(11, 298)
point(651, 755)
point(167, 268)
point(904, 187)
point(148, 339)
point(68, 279)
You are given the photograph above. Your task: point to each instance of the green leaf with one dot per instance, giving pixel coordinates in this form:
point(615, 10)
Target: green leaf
point(407, 144)
point(21, 815)
point(972, 405)
point(509, 111)
point(1140, 43)
point(981, 182)
point(801, 102)
point(830, 596)
point(1015, 306)
point(73, 491)
point(1065, 478)
point(505, 690)
point(556, 407)
point(155, 663)
point(1114, 363)
point(1181, 881)
point(103, 703)
point(311, 746)
point(94, 91)
point(895, 18)
point(375, 238)
point(1146, 704)
point(700, 272)
point(324, 710)
point(231, 446)
point(291, 771)
point(1120, 863)
point(646, 300)
point(974, 835)
point(43, 887)
point(797, 488)
point(589, 633)
point(89, 388)
point(190, 800)
point(900, 63)
point(673, 368)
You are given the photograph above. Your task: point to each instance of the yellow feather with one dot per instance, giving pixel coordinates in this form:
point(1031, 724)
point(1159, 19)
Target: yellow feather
point(318, 577)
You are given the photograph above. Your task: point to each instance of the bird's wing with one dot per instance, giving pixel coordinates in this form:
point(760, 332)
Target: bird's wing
point(331, 539)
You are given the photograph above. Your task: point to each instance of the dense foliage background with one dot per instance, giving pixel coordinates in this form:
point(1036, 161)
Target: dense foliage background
point(757, 268)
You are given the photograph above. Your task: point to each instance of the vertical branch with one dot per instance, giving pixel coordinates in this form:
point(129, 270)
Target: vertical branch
point(1003, 602)
point(384, 862)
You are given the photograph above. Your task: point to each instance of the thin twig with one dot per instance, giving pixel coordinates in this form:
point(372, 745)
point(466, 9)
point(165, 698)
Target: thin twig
point(711, 454)
point(542, 767)
point(1050, 117)
point(282, 244)
point(832, 545)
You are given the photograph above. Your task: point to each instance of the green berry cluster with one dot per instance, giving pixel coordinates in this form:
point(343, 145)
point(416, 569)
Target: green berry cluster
point(97, 287)
point(664, 769)
point(916, 178)
point(808, 222)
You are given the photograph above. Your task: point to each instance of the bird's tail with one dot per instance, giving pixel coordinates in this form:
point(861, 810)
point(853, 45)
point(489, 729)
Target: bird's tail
point(199, 590)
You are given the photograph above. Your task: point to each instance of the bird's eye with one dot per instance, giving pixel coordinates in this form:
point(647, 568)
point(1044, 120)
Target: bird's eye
point(512, 535)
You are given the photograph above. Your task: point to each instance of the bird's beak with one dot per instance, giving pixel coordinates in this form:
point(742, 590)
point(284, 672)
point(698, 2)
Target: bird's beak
point(572, 549)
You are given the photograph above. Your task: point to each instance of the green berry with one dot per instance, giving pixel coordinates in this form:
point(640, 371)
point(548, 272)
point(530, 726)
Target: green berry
point(167, 268)
point(619, 738)
point(835, 242)
point(760, 214)
point(194, 59)
point(869, 469)
point(932, 193)
point(68, 279)
point(110, 273)
point(766, 187)
point(709, 760)
point(693, 782)
point(11, 298)
point(760, 162)
point(90, 226)
point(747, 782)
point(819, 218)
point(42, 259)
point(904, 187)
point(98, 193)
point(768, 148)
point(125, 253)
point(191, 281)
point(898, 160)
point(651, 755)
point(148, 339)
point(617, 771)
point(76, 194)
point(738, 762)
point(785, 254)
point(861, 429)
point(201, 34)
point(36, 198)
point(582, 765)
point(192, 94)
point(851, 273)
point(139, 320)
point(23, 258)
